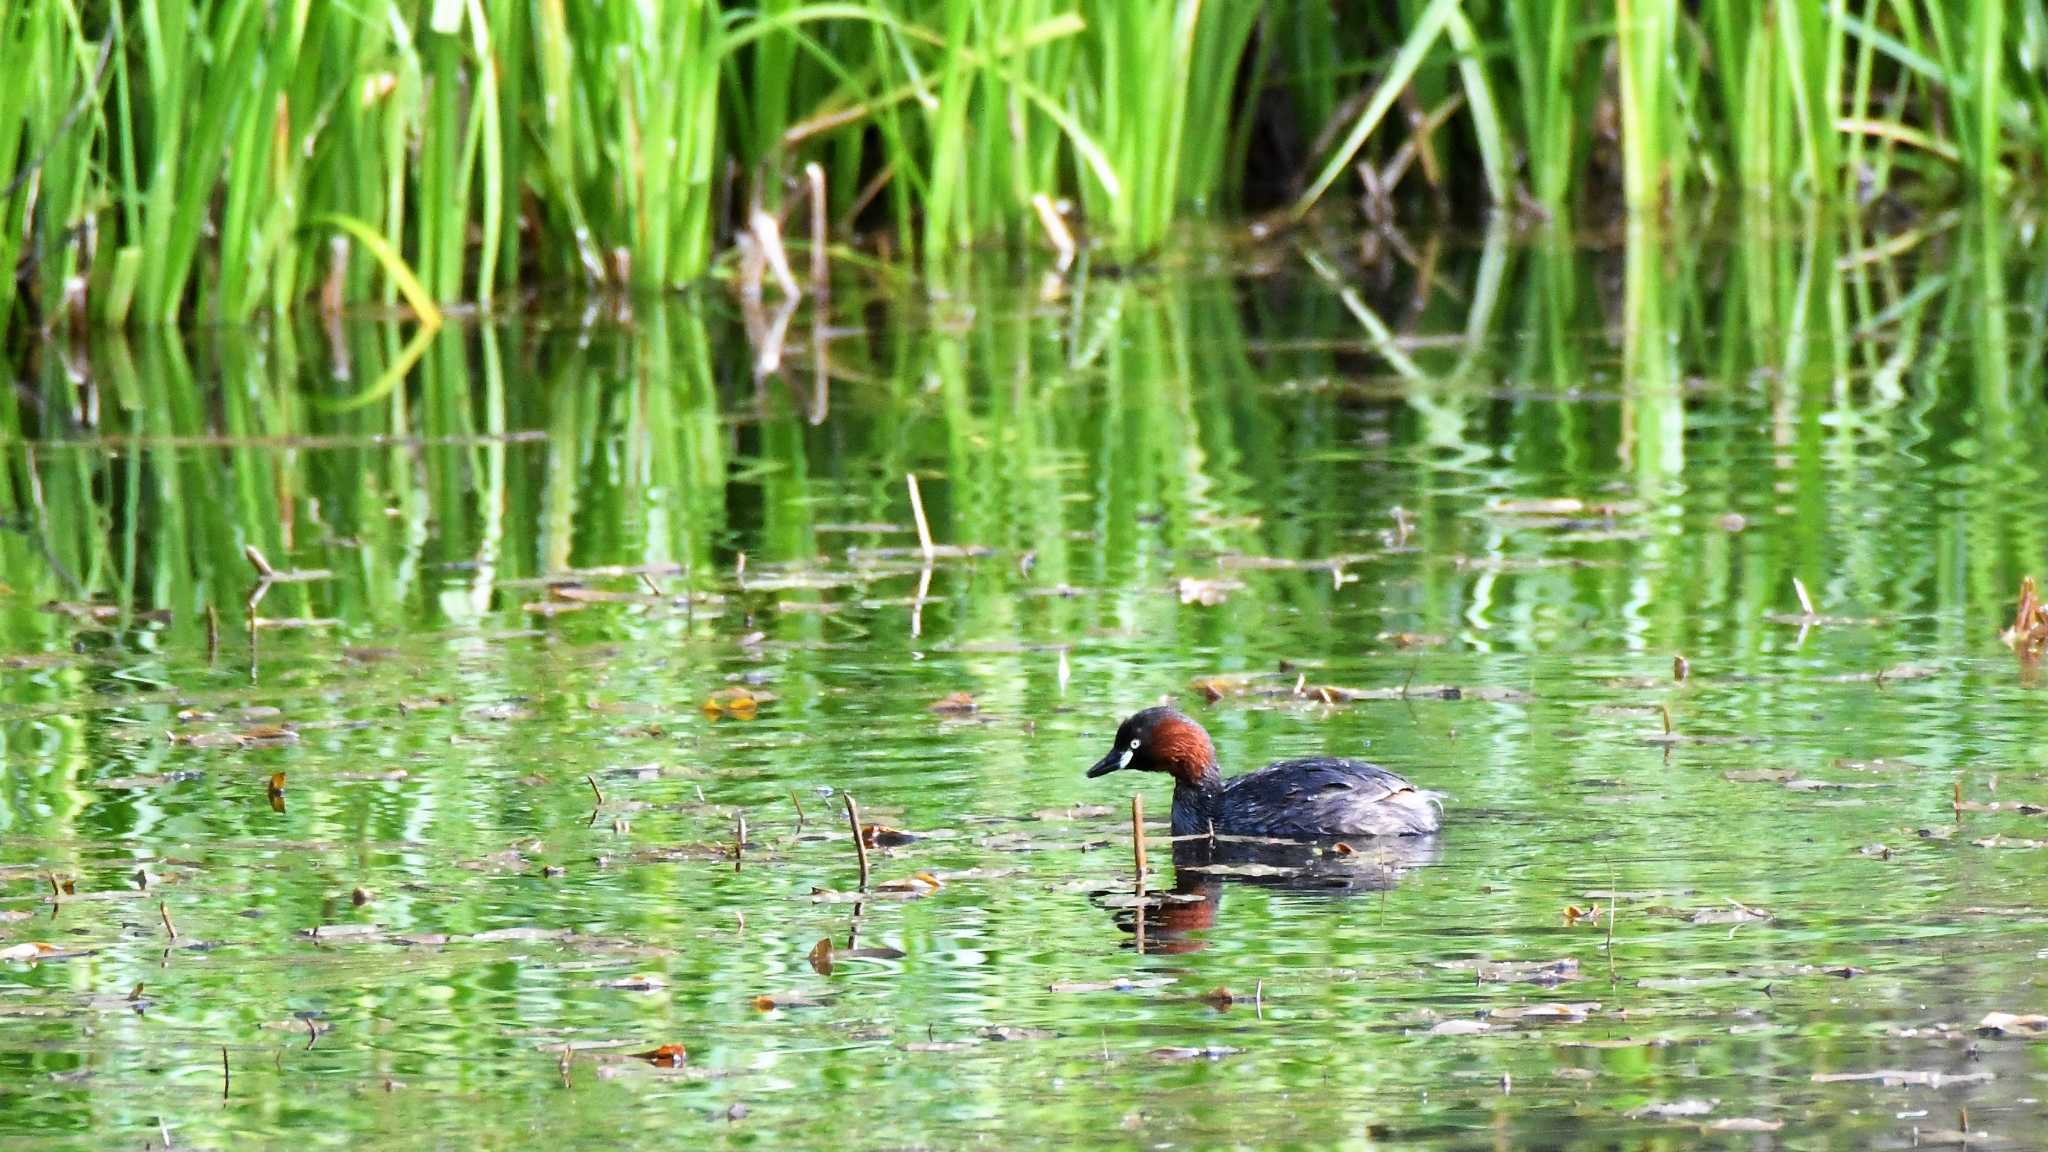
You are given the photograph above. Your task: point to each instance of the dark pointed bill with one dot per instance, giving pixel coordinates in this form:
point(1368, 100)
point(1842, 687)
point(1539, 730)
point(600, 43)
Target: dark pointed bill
point(1117, 758)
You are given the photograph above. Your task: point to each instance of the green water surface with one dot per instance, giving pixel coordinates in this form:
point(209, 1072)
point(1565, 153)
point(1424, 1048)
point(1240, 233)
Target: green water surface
point(1461, 522)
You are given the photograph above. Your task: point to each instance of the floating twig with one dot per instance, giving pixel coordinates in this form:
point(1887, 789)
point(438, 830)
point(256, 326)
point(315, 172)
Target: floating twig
point(860, 846)
point(212, 633)
point(799, 806)
point(224, 1080)
point(594, 789)
point(164, 910)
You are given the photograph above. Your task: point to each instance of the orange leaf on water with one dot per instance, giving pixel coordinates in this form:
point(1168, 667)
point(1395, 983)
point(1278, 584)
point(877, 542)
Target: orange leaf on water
point(669, 1055)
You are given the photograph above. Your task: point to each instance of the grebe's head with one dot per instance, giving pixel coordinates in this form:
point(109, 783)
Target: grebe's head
point(1159, 740)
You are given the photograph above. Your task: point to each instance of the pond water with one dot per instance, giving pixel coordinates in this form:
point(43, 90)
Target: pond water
point(429, 855)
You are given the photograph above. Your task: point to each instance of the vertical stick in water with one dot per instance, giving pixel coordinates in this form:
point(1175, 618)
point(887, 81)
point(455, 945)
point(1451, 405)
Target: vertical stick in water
point(1138, 836)
point(924, 529)
point(860, 846)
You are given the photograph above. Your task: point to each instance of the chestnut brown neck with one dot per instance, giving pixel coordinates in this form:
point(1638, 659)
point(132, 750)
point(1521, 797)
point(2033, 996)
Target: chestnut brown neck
point(1184, 749)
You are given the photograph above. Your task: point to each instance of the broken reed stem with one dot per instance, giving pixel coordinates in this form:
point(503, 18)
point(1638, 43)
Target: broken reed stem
point(924, 529)
point(1259, 998)
point(1612, 886)
point(1138, 839)
point(212, 633)
point(224, 1080)
point(739, 838)
point(821, 266)
point(860, 846)
point(799, 805)
point(594, 790)
point(164, 910)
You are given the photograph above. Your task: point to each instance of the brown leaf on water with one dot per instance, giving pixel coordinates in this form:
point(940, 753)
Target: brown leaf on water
point(1997, 841)
point(1575, 915)
point(774, 1000)
point(919, 883)
point(1570, 1012)
point(821, 957)
point(1218, 998)
point(667, 1056)
point(1412, 639)
point(883, 836)
point(1340, 848)
point(276, 791)
point(954, 704)
point(2028, 636)
point(735, 702)
point(29, 950)
point(2026, 1027)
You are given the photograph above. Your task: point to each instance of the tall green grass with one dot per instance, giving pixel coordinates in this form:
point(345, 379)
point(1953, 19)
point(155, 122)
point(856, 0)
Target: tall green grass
point(213, 160)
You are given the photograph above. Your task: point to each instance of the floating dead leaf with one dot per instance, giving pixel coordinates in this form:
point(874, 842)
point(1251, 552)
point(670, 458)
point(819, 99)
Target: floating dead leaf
point(1999, 841)
point(1077, 812)
point(1460, 1026)
point(1212, 1052)
point(275, 791)
point(523, 934)
point(2026, 1027)
point(2028, 636)
point(1218, 998)
point(1124, 985)
point(638, 982)
point(1340, 848)
point(776, 1000)
point(1572, 1012)
point(1904, 1078)
point(1543, 973)
point(954, 704)
point(1412, 639)
point(667, 1056)
point(30, 950)
point(1251, 869)
point(883, 836)
point(821, 957)
point(735, 703)
point(1674, 1109)
point(1733, 914)
point(921, 883)
point(1575, 915)
point(1745, 1124)
point(1007, 1032)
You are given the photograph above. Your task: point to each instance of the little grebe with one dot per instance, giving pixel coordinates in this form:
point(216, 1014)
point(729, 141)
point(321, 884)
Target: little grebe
point(1289, 798)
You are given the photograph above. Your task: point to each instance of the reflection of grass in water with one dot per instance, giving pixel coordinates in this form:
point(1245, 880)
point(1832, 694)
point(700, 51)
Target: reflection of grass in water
point(1151, 399)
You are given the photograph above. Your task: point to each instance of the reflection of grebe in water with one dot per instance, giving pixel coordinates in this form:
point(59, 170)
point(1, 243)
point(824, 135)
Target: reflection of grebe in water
point(1302, 867)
